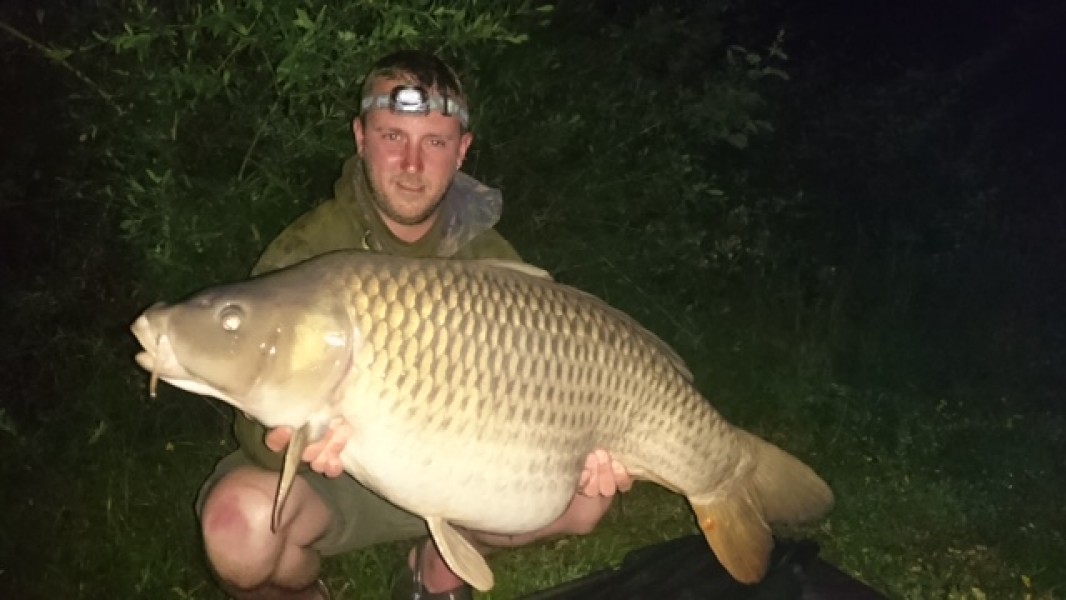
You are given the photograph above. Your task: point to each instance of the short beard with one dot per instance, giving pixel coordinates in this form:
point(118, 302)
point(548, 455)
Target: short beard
point(381, 203)
point(407, 221)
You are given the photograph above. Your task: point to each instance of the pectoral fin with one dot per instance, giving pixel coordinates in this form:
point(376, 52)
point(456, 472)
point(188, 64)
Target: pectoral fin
point(460, 554)
point(293, 452)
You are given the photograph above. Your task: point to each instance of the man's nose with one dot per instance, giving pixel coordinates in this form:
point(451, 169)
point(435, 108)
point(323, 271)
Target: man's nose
point(412, 158)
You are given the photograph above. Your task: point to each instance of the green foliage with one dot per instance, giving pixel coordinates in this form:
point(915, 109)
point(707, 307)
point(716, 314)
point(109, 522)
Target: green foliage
point(653, 112)
point(221, 121)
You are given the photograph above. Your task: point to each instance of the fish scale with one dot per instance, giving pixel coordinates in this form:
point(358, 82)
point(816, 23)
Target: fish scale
point(475, 390)
point(475, 320)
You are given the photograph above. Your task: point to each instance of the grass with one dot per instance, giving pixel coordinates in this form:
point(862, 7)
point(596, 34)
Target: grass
point(950, 495)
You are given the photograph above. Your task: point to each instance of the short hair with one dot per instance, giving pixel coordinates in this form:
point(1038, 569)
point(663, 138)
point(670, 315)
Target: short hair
point(416, 67)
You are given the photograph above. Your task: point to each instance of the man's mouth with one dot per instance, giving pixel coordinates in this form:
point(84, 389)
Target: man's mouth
point(411, 187)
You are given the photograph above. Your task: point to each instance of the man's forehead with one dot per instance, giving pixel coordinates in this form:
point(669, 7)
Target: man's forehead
point(432, 124)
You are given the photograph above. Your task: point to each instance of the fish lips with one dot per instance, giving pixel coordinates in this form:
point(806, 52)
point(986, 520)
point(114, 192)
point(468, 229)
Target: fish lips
point(159, 359)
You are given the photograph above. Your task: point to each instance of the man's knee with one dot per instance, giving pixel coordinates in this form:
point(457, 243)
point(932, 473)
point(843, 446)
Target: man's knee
point(235, 521)
point(240, 503)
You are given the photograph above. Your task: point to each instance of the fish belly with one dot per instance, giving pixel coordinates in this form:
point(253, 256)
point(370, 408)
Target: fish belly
point(473, 481)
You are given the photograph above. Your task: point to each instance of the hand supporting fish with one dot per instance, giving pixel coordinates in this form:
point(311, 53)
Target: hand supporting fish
point(323, 455)
point(602, 475)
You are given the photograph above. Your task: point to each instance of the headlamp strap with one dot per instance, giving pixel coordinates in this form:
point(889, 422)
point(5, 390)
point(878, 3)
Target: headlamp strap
point(415, 100)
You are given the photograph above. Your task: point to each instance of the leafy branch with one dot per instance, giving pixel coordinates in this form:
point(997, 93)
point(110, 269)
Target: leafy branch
point(59, 57)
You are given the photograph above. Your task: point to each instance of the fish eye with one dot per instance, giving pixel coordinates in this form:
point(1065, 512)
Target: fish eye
point(230, 317)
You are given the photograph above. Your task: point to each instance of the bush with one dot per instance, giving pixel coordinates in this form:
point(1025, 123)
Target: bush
point(215, 123)
point(619, 146)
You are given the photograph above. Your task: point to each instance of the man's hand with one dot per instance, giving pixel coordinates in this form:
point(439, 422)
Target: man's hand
point(324, 456)
point(603, 476)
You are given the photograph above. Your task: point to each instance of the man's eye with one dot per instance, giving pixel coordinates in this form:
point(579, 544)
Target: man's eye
point(391, 136)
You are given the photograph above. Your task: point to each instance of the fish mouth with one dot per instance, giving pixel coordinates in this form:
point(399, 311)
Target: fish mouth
point(159, 359)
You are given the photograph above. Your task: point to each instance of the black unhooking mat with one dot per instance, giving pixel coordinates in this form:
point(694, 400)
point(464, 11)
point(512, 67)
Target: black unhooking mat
point(685, 569)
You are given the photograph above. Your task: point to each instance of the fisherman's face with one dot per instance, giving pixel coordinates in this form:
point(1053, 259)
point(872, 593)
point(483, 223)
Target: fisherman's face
point(410, 160)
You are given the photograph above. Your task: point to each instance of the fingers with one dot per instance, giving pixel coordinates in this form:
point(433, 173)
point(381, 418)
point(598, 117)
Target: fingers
point(583, 482)
point(622, 479)
point(276, 439)
point(588, 484)
point(603, 476)
point(324, 456)
point(327, 464)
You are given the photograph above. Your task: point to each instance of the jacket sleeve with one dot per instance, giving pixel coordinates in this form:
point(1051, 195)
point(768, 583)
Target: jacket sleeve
point(250, 435)
point(488, 244)
point(315, 232)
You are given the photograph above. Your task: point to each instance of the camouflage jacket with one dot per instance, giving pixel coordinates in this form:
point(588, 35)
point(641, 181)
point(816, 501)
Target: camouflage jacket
point(464, 230)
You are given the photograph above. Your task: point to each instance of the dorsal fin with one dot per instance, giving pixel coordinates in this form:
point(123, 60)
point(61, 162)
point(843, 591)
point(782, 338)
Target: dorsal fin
point(515, 265)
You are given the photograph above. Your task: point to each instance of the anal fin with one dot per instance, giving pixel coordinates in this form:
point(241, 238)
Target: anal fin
point(460, 554)
point(737, 533)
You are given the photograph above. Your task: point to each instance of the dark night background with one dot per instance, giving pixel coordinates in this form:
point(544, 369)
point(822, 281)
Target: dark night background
point(870, 251)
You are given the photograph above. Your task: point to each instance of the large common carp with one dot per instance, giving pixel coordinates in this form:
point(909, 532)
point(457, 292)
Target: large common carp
point(476, 390)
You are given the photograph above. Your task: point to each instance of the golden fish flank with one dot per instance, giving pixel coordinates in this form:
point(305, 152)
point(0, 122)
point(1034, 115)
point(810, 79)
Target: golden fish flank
point(476, 389)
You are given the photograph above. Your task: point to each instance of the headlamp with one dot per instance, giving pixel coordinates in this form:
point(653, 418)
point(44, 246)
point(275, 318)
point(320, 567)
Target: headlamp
point(415, 100)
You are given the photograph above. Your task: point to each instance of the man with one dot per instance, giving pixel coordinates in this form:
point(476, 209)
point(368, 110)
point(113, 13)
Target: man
point(401, 194)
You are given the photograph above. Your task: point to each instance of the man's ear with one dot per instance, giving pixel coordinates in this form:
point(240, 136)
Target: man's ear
point(464, 144)
point(359, 134)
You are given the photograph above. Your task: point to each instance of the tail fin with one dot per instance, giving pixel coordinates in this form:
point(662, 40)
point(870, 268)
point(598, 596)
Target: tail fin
point(735, 521)
point(789, 491)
